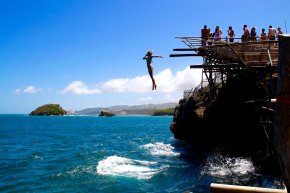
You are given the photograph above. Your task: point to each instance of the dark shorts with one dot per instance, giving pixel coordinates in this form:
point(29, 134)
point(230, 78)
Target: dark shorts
point(272, 38)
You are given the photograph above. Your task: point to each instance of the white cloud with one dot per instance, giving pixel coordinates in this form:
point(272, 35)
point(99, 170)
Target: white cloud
point(166, 82)
point(78, 87)
point(27, 90)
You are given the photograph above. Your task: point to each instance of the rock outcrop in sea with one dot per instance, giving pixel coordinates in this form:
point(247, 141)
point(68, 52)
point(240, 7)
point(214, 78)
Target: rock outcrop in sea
point(106, 113)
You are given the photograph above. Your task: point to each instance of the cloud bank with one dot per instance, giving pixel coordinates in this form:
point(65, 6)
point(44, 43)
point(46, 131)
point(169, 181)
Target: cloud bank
point(166, 81)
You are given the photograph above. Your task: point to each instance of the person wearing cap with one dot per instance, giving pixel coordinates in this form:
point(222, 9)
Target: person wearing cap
point(148, 57)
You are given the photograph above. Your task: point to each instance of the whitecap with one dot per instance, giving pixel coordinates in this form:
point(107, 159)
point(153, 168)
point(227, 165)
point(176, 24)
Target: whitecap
point(120, 166)
point(223, 167)
point(160, 149)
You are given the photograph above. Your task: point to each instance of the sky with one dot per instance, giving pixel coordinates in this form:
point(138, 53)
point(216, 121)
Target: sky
point(88, 53)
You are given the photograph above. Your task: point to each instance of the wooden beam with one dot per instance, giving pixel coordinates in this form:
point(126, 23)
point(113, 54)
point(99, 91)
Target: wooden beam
point(184, 55)
point(185, 49)
point(218, 66)
point(233, 50)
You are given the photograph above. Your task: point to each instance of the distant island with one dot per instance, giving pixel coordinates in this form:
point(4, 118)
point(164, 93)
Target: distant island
point(49, 110)
point(164, 112)
point(164, 109)
point(106, 113)
point(147, 109)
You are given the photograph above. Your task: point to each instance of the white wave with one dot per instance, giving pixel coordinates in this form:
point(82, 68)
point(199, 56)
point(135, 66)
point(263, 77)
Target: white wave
point(119, 166)
point(160, 149)
point(229, 167)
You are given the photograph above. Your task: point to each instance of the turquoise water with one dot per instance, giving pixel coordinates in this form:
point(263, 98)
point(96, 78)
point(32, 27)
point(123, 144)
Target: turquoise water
point(110, 154)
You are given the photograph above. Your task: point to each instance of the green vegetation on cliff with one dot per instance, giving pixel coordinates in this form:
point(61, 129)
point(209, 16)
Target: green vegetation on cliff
point(49, 109)
point(162, 112)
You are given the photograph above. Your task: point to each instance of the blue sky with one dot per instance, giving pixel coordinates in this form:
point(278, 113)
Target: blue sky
point(88, 53)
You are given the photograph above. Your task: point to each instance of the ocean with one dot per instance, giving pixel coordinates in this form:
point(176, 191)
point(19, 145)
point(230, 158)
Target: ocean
point(112, 154)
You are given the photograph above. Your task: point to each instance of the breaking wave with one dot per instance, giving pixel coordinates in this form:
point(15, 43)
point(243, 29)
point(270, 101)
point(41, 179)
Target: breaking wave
point(224, 167)
point(120, 166)
point(160, 149)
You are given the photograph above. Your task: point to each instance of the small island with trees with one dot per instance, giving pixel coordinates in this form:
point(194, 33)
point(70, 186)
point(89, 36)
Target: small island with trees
point(49, 110)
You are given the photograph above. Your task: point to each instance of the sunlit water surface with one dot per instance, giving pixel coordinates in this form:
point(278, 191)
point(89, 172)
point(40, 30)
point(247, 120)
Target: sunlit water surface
point(111, 154)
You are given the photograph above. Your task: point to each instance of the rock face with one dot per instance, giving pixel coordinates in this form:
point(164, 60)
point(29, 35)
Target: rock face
point(106, 113)
point(48, 110)
point(232, 119)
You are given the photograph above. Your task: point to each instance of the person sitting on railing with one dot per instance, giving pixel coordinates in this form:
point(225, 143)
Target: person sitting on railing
point(204, 35)
point(231, 33)
point(218, 34)
point(246, 35)
point(253, 34)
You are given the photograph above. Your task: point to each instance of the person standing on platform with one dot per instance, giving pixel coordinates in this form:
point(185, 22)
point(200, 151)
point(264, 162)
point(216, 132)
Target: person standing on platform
point(279, 32)
point(271, 33)
point(204, 35)
point(253, 34)
point(218, 34)
point(246, 35)
point(263, 36)
point(231, 33)
point(148, 57)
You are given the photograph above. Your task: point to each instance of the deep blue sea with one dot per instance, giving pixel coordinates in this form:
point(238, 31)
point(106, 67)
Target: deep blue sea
point(111, 154)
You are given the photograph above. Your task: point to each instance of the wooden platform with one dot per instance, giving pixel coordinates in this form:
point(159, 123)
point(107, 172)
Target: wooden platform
point(252, 53)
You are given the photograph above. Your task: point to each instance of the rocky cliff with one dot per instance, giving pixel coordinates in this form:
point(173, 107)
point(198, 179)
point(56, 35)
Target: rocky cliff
point(233, 119)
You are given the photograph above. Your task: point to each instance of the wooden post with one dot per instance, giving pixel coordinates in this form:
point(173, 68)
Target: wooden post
point(281, 136)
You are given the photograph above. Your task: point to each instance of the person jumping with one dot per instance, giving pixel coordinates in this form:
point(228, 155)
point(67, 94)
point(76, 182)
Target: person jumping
point(148, 57)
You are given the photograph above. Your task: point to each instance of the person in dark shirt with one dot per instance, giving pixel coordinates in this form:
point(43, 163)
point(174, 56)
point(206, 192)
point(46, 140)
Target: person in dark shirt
point(253, 34)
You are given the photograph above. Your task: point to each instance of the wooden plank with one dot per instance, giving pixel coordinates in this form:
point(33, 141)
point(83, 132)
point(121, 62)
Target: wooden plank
point(217, 66)
point(185, 49)
point(224, 188)
point(184, 55)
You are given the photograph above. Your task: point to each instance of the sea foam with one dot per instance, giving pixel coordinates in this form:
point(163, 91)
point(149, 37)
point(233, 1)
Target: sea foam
point(120, 166)
point(222, 167)
point(160, 149)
